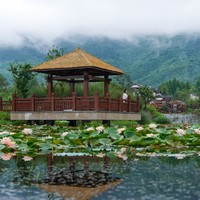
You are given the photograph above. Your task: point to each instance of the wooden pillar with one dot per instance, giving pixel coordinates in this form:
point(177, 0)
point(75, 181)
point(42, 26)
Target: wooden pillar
point(108, 101)
point(138, 103)
point(129, 104)
point(73, 101)
point(52, 102)
point(1, 104)
point(106, 122)
point(96, 101)
point(50, 85)
point(33, 103)
point(13, 102)
point(119, 103)
point(72, 123)
point(50, 162)
point(106, 85)
point(86, 80)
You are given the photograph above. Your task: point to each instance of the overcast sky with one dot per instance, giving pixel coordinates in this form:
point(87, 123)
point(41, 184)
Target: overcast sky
point(47, 20)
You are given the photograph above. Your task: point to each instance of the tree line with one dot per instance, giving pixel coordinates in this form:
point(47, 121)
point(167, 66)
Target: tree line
point(25, 83)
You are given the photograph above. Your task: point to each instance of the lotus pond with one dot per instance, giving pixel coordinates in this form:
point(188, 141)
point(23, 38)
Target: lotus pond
point(59, 162)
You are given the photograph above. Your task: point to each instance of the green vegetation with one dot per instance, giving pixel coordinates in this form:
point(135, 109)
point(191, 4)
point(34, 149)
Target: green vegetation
point(119, 54)
point(5, 118)
point(54, 53)
point(101, 141)
point(147, 60)
point(182, 91)
point(22, 77)
point(157, 117)
point(146, 95)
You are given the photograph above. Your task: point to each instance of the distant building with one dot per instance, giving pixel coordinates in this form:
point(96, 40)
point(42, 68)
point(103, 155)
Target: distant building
point(194, 97)
point(136, 86)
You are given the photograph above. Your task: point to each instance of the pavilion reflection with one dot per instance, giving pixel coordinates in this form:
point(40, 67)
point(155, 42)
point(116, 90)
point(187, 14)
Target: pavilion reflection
point(79, 184)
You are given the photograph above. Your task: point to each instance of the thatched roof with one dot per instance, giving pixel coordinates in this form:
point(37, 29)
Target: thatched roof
point(76, 192)
point(76, 62)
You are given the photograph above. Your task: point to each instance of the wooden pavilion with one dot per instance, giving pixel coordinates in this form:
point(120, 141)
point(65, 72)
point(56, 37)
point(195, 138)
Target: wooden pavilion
point(75, 67)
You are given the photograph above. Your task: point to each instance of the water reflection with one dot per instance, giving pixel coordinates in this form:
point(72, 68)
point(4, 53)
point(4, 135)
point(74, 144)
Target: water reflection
point(93, 178)
point(76, 183)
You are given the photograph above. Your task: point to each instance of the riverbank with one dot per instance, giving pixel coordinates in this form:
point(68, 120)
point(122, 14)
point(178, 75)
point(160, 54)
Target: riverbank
point(183, 118)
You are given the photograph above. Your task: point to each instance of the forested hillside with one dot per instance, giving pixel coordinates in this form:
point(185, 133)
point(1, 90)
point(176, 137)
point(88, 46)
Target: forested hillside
point(148, 60)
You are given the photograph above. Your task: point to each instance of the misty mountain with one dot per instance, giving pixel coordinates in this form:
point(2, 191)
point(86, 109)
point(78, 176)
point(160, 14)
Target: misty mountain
point(148, 60)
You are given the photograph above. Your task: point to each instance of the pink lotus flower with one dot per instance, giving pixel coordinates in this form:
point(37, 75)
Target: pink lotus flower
point(123, 156)
point(123, 150)
point(153, 126)
point(27, 158)
point(65, 133)
point(150, 135)
point(6, 156)
point(180, 132)
point(100, 128)
point(90, 129)
point(8, 142)
point(152, 154)
point(27, 131)
point(122, 153)
point(197, 131)
point(139, 128)
point(180, 156)
point(120, 130)
point(101, 155)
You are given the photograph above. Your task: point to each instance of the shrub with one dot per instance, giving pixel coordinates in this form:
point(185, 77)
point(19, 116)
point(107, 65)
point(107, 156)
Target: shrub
point(161, 119)
point(145, 118)
point(4, 116)
point(153, 111)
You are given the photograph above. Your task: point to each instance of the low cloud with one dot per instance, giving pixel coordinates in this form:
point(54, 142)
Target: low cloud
point(48, 20)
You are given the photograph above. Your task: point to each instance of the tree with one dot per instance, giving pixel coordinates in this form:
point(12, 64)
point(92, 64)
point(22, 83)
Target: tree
point(175, 87)
point(3, 83)
point(54, 53)
point(197, 88)
point(22, 78)
point(146, 95)
point(124, 80)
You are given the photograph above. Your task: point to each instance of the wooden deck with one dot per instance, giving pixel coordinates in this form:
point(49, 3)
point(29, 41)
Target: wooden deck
point(71, 108)
point(74, 115)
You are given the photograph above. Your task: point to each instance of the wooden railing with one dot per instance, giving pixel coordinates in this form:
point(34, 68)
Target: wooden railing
point(74, 103)
point(5, 105)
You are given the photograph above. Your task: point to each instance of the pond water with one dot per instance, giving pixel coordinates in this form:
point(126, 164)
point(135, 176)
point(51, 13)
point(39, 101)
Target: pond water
point(62, 178)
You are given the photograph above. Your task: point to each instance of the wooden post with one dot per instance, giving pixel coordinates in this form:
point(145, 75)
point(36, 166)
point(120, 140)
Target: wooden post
point(85, 84)
point(1, 104)
point(13, 102)
point(33, 102)
point(106, 85)
point(50, 85)
point(129, 104)
point(52, 102)
point(138, 103)
point(73, 101)
point(119, 103)
point(50, 162)
point(108, 101)
point(96, 101)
